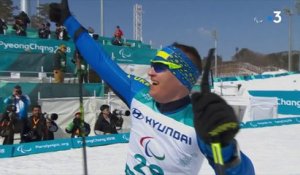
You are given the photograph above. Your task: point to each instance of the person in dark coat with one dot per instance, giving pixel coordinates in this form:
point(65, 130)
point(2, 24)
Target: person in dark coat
point(36, 126)
point(106, 121)
point(3, 26)
point(7, 124)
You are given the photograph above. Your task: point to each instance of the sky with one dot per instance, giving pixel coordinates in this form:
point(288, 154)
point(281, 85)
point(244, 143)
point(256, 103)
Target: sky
point(238, 23)
point(273, 151)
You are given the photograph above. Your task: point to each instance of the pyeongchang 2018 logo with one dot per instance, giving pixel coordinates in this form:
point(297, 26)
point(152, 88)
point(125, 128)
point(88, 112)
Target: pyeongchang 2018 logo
point(149, 145)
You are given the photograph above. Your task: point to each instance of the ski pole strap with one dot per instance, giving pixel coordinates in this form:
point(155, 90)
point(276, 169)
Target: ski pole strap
point(217, 153)
point(220, 165)
point(218, 158)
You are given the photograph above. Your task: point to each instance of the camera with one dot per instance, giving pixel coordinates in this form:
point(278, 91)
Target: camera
point(120, 112)
point(119, 122)
point(30, 135)
point(51, 117)
point(11, 108)
point(52, 126)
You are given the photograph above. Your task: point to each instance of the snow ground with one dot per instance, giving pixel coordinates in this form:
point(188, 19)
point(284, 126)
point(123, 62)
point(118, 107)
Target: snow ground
point(273, 150)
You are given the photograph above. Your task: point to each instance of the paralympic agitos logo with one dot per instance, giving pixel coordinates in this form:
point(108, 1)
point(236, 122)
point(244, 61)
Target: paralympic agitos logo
point(148, 143)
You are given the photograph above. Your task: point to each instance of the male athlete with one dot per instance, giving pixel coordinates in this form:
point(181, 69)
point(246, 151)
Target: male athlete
point(171, 133)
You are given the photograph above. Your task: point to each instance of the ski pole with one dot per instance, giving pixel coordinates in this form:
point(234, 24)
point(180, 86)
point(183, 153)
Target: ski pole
point(82, 130)
point(215, 144)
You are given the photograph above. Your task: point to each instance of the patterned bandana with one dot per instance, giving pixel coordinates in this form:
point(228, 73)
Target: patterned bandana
point(184, 69)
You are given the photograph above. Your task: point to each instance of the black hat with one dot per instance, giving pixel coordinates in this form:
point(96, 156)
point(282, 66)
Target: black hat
point(104, 107)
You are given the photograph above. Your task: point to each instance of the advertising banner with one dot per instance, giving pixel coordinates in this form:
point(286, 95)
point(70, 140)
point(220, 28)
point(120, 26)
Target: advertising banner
point(6, 151)
point(288, 101)
point(41, 147)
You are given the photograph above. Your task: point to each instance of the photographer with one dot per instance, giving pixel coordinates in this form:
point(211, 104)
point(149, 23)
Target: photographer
point(36, 126)
point(74, 128)
point(21, 102)
point(106, 121)
point(51, 125)
point(7, 124)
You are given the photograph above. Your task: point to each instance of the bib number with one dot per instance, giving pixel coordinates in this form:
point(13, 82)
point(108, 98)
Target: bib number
point(154, 169)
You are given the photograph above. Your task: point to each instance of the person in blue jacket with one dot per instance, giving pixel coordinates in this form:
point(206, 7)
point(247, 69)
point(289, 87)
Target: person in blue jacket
point(21, 102)
point(171, 132)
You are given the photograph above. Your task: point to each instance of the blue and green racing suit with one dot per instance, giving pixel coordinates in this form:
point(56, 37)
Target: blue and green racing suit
point(160, 143)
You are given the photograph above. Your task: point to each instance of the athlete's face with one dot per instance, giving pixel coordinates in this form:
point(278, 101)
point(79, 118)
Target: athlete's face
point(165, 87)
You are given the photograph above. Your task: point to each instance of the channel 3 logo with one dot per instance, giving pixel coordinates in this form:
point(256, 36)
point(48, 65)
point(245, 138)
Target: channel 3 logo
point(275, 18)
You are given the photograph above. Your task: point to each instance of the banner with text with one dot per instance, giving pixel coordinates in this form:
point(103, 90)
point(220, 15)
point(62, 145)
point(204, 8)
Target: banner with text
point(288, 101)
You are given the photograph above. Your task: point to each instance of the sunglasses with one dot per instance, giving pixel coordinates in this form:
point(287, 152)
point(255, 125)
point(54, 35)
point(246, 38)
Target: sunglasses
point(161, 66)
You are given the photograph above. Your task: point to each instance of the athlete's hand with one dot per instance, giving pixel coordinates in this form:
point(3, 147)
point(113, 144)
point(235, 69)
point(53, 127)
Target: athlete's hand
point(59, 12)
point(214, 119)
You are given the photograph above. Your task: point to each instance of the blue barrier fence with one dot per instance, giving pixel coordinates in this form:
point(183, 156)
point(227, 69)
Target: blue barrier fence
point(100, 140)
point(60, 145)
point(270, 122)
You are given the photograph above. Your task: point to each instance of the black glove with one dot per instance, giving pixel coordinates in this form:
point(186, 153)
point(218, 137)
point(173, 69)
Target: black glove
point(214, 119)
point(59, 12)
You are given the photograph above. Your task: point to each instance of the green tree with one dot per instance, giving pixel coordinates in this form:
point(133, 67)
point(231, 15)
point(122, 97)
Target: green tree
point(6, 10)
point(41, 15)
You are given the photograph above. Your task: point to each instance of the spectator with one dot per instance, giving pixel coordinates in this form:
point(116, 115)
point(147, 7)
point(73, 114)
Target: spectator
point(51, 125)
point(48, 25)
point(7, 124)
point(81, 69)
point(92, 33)
point(106, 121)
point(19, 27)
point(22, 103)
point(61, 33)
point(43, 31)
point(3, 26)
point(117, 39)
point(60, 63)
point(21, 22)
point(36, 128)
point(75, 127)
point(25, 19)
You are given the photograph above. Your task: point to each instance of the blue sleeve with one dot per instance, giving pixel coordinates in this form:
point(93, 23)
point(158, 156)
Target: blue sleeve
point(245, 167)
point(125, 86)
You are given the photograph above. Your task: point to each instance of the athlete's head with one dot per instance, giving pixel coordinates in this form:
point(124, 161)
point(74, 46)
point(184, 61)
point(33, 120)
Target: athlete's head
point(174, 71)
